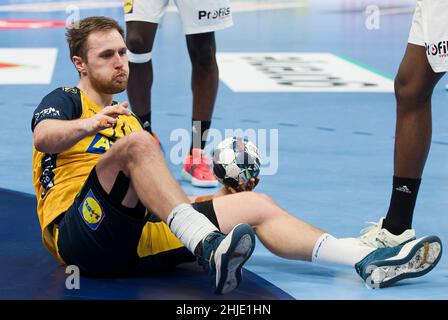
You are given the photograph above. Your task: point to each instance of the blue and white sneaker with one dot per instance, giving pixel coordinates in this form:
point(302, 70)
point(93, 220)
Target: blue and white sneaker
point(385, 266)
point(223, 256)
point(376, 236)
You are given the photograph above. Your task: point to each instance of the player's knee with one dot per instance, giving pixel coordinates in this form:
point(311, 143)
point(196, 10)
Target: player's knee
point(203, 56)
point(410, 94)
point(264, 198)
point(260, 199)
point(139, 142)
point(268, 209)
point(136, 43)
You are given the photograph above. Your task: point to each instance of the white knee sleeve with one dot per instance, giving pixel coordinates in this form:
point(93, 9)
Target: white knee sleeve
point(139, 57)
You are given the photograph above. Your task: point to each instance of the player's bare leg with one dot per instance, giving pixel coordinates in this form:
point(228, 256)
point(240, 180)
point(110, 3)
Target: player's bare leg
point(288, 237)
point(276, 229)
point(139, 157)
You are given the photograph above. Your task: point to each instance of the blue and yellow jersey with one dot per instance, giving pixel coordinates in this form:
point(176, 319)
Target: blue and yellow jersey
point(59, 177)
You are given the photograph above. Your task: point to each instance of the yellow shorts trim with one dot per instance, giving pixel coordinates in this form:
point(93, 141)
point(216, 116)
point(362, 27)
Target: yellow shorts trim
point(156, 238)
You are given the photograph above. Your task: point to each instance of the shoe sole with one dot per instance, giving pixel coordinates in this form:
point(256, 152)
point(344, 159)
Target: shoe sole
point(421, 258)
point(198, 183)
point(230, 257)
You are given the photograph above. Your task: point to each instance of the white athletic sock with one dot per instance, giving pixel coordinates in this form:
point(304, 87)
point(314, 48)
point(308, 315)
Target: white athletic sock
point(328, 249)
point(189, 225)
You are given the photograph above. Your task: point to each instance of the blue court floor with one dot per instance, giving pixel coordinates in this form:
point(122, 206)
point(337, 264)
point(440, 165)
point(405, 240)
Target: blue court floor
point(335, 146)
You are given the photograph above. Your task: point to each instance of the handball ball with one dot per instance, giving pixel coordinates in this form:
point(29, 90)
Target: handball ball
point(235, 160)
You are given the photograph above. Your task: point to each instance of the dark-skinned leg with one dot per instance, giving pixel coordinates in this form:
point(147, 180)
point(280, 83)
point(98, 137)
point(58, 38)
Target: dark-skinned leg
point(414, 85)
point(139, 40)
point(204, 82)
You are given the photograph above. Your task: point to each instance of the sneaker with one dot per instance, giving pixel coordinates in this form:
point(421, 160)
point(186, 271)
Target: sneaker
point(223, 256)
point(385, 266)
point(376, 236)
point(198, 171)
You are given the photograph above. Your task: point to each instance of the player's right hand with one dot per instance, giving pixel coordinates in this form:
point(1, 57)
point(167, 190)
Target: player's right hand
point(251, 184)
point(106, 118)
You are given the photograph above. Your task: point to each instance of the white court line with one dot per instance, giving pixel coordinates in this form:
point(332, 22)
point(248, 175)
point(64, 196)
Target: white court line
point(237, 6)
point(387, 11)
point(391, 11)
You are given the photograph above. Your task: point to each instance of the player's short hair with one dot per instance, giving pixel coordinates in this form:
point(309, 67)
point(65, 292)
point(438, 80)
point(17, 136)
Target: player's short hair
point(78, 33)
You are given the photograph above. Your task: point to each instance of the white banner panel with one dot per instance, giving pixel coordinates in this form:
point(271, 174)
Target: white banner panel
point(27, 65)
point(297, 72)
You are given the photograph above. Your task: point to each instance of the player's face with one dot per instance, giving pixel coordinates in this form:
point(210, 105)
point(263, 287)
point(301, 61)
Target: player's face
point(107, 66)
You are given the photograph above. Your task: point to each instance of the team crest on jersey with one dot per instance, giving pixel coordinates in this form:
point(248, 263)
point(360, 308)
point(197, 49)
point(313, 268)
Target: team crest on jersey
point(100, 144)
point(70, 90)
point(91, 211)
point(128, 6)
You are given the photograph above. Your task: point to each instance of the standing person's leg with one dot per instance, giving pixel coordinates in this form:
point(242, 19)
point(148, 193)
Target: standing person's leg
point(414, 85)
point(139, 40)
point(204, 84)
point(200, 20)
point(142, 18)
point(290, 238)
point(422, 67)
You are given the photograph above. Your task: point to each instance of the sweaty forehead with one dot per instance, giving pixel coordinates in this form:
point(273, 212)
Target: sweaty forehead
point(105, 40)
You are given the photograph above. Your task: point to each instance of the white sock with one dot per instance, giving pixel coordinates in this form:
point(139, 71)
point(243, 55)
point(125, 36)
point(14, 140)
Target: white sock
point(328, 249)
point(189, 225)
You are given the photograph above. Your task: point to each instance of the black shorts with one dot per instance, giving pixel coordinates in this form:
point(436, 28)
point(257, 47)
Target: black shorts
point(102, 237)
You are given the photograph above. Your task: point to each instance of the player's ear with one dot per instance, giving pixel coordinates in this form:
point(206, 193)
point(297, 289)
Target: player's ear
point(79, 64)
